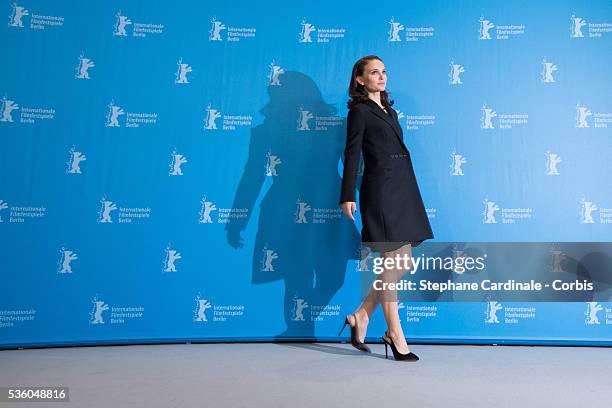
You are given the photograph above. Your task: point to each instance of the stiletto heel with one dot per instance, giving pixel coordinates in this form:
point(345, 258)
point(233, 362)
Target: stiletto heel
point(396, 354)
point(354, 341)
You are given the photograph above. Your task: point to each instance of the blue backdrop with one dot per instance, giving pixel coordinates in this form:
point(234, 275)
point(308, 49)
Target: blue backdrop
point(172, 173)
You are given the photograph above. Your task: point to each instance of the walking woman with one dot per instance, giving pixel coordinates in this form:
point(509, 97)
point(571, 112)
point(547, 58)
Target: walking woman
point(392, 211)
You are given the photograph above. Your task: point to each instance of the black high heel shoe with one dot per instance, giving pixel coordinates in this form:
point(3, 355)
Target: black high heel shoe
point(396, 354)
point(356, 343)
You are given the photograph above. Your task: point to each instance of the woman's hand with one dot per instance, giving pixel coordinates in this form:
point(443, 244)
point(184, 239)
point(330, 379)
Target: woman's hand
point(348, 208)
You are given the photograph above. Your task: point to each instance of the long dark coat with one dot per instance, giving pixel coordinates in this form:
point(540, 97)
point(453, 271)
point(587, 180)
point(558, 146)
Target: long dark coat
point(392, 210)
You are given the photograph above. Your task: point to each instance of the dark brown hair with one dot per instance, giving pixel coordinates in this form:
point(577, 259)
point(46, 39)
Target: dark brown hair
point(357, 92)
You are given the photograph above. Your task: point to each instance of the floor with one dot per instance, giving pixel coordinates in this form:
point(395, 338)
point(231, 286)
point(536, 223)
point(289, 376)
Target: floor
point(313, 375)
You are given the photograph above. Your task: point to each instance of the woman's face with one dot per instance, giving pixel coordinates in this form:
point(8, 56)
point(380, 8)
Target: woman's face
point(374, 76)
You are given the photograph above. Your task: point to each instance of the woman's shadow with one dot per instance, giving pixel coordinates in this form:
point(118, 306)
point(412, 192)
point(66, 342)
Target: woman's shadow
point(302, 236)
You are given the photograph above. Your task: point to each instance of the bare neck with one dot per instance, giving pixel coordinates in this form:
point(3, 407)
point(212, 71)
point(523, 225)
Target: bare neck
point(375, 96)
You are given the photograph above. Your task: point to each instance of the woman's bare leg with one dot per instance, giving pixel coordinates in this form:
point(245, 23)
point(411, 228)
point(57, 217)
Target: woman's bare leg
point(363, 313)
point(389, 299)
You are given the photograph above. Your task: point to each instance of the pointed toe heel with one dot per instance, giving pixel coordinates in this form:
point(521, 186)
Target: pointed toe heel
point(396, 354)
point(361, 346)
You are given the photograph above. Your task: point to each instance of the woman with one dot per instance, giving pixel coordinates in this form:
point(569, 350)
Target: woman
point(392, 211)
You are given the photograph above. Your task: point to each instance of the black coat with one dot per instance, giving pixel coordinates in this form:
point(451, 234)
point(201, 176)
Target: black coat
point(392, 210)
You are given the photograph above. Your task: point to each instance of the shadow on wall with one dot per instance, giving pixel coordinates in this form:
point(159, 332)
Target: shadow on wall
point(300, 237)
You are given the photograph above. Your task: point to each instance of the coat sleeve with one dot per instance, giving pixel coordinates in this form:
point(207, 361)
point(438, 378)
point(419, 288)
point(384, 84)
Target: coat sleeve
point(355, 128)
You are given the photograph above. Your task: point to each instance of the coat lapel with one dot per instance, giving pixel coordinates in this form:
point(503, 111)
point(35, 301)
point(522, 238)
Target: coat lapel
point(389, 118)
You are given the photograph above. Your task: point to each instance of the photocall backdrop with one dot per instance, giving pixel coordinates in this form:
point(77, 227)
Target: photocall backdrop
point(172, 173)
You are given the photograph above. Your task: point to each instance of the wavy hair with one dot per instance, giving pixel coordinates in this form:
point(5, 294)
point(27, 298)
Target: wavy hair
point(357, 92)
